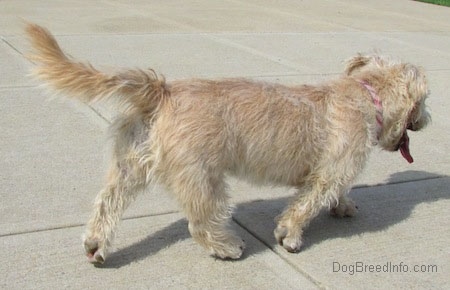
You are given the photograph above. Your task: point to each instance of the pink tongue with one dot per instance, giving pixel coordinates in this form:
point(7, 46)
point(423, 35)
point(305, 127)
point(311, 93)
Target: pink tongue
point(404, 148)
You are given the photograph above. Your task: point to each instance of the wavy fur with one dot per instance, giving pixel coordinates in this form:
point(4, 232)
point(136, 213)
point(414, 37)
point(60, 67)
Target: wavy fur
point(188, 134)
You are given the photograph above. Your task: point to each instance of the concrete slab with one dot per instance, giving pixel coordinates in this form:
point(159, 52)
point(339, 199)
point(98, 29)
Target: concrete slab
point(200, 56)
point(40, 154)
point(53, 153)
point(289, 15)
point(151, 253)
point(358, 15)
point(405, 223)
point(79, 16)
point(56, 163)
point(17, 67)
point(225, 16)
point(213, 16)
point(309, 52)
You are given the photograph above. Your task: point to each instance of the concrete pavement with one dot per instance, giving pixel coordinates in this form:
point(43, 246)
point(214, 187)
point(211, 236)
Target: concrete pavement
point(53, 156)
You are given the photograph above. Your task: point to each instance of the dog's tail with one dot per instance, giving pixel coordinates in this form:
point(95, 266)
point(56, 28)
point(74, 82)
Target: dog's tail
point(141, 90)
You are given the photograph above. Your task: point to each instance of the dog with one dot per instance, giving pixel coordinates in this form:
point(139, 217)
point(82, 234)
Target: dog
point(189, 134)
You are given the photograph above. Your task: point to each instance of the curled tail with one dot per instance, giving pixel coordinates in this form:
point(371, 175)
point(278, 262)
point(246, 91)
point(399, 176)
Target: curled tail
point(141, 90)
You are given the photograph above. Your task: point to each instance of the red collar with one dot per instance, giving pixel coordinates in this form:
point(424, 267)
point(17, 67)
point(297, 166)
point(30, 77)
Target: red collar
point(378, 106)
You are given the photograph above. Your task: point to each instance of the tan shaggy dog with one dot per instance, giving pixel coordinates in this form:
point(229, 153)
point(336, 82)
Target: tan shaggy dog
point(189, 134)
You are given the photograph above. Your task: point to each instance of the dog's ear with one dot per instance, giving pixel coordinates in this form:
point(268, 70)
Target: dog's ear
point(417, 91)
point(415, 80)
point(411, 71)
point(356, 63)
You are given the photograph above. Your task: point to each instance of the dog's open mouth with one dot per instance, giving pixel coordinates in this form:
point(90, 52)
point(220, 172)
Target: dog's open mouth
point(403, 145)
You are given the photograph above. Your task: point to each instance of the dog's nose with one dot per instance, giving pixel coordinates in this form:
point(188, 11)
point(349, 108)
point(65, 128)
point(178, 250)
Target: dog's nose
point(412, 127)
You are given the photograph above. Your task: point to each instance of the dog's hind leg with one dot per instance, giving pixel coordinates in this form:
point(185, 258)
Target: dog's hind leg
point(204, 200)
point(126, 178)
point(109, 206)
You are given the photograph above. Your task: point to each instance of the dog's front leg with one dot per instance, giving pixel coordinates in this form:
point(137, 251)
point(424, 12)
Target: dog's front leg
point(344, 207)
point(307, 203)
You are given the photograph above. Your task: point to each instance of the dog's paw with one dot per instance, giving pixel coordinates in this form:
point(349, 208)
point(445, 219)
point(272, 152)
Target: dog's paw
point(94, 252)
point(221, 241)
point(289, 241)
point(232, 248)
point(345, 208)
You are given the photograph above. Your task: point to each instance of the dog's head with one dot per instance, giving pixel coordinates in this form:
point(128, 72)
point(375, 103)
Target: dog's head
point(402, 88)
